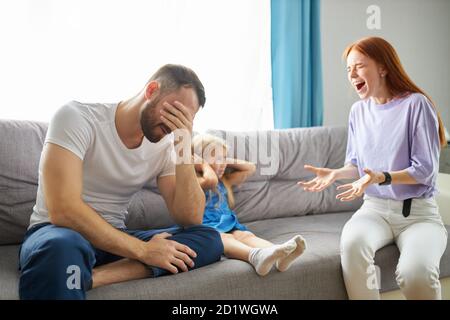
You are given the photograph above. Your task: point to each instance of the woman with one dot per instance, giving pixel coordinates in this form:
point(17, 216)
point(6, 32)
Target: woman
point(238, 241)
point(394, 140)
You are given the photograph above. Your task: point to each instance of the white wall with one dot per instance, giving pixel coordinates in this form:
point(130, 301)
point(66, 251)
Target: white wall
point(54, 51)
point(418, 29)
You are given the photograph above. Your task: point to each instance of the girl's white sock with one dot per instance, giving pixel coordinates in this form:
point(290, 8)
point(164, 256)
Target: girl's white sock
point(285, 262)
point(264, 258)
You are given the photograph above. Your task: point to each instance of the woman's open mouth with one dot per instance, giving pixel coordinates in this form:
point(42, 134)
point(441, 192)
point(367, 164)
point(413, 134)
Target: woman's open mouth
point(360, 85)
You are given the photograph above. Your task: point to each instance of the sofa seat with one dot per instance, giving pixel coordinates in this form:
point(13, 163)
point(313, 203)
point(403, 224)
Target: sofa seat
point(316, 275)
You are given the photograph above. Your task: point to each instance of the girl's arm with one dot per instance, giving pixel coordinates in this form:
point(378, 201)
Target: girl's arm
point(206, 176)
point(242, 170)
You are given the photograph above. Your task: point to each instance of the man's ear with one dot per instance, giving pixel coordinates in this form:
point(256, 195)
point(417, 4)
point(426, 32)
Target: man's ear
point(151, 88)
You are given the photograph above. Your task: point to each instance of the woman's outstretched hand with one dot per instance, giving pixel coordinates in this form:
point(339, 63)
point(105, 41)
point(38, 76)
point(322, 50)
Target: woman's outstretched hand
point(356, 189)
point(324, 177)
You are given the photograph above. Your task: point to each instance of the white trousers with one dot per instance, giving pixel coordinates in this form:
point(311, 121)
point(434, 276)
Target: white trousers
point(421, 239)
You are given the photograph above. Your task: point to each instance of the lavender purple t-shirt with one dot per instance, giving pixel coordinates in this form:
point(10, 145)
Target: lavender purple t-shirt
point(401, 134)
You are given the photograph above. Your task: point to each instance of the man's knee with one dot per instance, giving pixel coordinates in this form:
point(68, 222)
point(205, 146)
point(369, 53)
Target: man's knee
point(208, 241)
point(64, 241)
point(65, 247)
point(213, 236)
point(48, 260)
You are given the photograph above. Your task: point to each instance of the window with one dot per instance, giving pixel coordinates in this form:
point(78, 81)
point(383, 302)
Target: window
point(54, 51)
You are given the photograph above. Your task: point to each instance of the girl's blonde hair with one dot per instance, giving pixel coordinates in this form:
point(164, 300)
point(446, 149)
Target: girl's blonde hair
point(203, 145)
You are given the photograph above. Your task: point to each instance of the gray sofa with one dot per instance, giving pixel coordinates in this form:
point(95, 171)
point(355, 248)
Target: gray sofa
point(271, 205)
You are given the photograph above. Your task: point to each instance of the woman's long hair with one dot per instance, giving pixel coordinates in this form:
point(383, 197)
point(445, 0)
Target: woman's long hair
point(397, 80)
point(203, 145)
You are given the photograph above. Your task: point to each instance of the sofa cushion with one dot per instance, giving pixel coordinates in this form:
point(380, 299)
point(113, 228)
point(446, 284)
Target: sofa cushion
point(9, 272)
point(148, 210)
point(281, 154)
point(20, 148)
point(316, 275)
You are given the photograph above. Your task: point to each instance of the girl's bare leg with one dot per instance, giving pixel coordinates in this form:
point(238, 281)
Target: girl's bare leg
point(234, 248)
point(119, 271)
point(250, 239)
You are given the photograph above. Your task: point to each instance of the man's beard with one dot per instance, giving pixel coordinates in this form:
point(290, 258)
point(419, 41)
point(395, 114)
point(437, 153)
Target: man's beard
point(148, 122)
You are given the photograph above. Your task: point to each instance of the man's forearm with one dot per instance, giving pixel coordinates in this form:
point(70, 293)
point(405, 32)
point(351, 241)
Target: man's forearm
point(189, 199)
point(83, 219)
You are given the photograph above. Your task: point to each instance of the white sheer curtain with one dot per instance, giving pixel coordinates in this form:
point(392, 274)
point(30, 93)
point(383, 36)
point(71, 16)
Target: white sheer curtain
point(53, 51)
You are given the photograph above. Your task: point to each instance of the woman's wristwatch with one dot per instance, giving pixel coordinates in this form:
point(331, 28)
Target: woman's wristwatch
point(387, 179)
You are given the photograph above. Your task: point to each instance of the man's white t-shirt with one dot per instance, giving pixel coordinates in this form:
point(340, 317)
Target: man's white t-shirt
point(112, 173)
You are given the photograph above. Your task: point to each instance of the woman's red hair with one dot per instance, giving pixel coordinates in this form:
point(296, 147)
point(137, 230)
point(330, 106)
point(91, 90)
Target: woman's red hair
point(397, 80)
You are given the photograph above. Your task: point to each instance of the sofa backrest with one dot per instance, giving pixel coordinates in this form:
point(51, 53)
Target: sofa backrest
point(20, 150)
point(271, 193)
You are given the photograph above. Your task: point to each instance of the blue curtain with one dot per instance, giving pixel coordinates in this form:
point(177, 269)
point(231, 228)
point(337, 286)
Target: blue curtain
point(296, 63)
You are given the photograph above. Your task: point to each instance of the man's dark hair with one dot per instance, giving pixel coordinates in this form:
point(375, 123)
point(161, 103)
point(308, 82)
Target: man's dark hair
point(172, 77)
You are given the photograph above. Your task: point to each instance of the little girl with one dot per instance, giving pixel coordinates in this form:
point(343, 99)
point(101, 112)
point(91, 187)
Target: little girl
point(239, 243)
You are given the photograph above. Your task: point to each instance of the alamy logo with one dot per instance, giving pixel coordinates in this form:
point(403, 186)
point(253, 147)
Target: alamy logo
point(374, 277)
point(261, 147)
point(374, 19)
point(74, 279)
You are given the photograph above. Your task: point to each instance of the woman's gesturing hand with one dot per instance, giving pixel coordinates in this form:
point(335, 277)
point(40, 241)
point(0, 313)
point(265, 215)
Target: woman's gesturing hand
point(324, 177)
point(356, 189)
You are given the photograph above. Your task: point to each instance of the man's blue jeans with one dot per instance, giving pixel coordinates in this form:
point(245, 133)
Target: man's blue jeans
point(51, 256)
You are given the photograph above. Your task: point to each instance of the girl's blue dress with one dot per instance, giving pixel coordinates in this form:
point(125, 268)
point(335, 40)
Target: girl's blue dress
point(218, 214)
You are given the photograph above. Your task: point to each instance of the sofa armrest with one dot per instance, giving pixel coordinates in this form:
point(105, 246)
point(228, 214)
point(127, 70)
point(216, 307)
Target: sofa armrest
point(443, 197)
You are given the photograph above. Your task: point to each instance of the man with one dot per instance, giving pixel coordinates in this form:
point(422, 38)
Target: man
point(95, 157)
